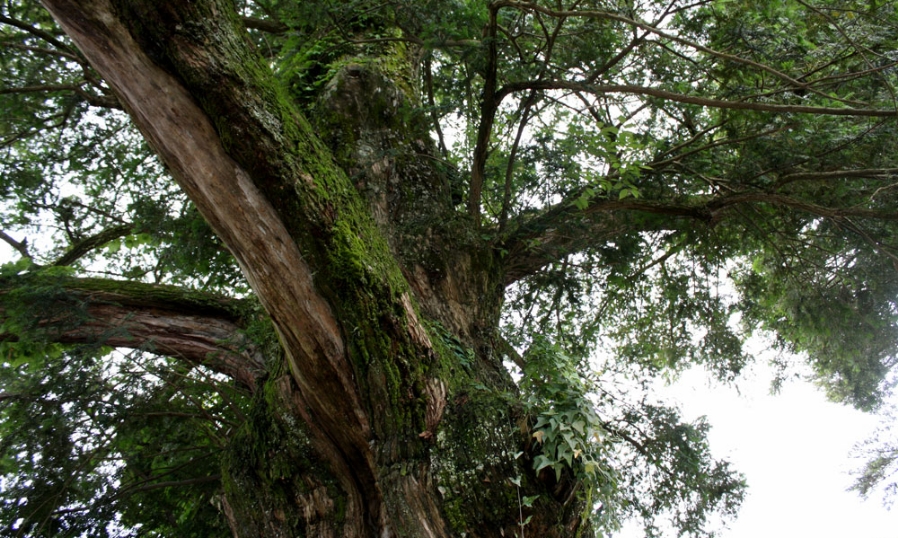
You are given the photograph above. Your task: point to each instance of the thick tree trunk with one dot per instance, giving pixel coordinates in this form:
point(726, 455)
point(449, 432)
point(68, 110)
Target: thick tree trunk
point(388, 417)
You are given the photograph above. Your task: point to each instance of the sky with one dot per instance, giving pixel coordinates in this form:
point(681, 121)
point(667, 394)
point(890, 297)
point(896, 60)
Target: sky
point(795, 449)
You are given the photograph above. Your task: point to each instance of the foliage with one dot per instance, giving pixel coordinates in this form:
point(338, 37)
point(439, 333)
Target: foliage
point(685, 484)
point(566, 428)
point(880, 453)
point(652, 181)
point(581, 428)
point(95, 443)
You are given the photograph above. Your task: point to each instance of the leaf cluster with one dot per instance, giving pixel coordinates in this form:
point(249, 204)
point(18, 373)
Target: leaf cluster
point(103, 444)
point(582, 428)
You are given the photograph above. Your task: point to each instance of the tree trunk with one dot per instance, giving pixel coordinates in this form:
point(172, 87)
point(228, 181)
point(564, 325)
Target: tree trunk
point(389, 414)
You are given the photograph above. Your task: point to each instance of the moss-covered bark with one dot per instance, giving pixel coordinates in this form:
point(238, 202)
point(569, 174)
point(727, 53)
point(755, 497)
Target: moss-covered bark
point(384, 298)
point(197, 327)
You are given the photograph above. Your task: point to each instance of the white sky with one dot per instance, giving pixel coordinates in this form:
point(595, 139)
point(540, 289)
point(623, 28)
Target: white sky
point(795, 451)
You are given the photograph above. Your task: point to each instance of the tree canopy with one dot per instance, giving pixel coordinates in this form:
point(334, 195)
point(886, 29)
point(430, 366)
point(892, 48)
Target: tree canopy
point(555, 203)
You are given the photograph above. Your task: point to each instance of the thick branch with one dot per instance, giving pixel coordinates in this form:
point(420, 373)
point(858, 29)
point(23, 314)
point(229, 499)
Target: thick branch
point(20, 246)
point(189, 325)
point(225, 195)
point(564, 229)
point(265, 25)
point(489, 104)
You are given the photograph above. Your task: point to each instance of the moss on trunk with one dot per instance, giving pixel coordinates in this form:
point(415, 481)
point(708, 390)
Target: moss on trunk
point(415, 424)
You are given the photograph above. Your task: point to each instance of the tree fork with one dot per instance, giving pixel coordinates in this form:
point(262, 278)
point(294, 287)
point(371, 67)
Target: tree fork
point(227, 193)
point(372, 380)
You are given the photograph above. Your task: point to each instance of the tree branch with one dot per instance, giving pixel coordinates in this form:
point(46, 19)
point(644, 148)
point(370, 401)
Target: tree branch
point(489, 105)
point(21, 247)
point(171, 484)
point(431, 103)
point(715, 206)
point(860, 50)
point(657, 165)
point(41, 50)
point(514, 87)
point(40, 88)
point(657, 31)
point(193, 326)
point(103, 101)
point(83, 247)
point(46, 36)
point(564, 229)
point(526, 106)
point(873, 173)
point(265, 25)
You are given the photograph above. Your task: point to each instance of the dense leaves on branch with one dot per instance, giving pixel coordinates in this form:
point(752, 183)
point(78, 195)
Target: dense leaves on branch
point(652, 182)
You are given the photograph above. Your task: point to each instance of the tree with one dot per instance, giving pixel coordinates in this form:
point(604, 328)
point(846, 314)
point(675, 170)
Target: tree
point(408, 268)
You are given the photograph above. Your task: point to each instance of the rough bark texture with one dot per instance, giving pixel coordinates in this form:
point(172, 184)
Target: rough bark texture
point(349, 237)
point(157, 319)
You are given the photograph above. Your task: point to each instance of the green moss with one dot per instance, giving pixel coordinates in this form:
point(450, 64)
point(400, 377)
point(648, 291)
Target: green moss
point(395, 62)
point(461, 446)
point(473, 459)
point(355, 269)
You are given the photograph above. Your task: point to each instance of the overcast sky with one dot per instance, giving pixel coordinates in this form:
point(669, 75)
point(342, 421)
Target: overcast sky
point(795, 450)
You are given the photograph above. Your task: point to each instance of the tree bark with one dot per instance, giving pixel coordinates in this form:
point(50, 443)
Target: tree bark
point(377, 427)
point(159, 319)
